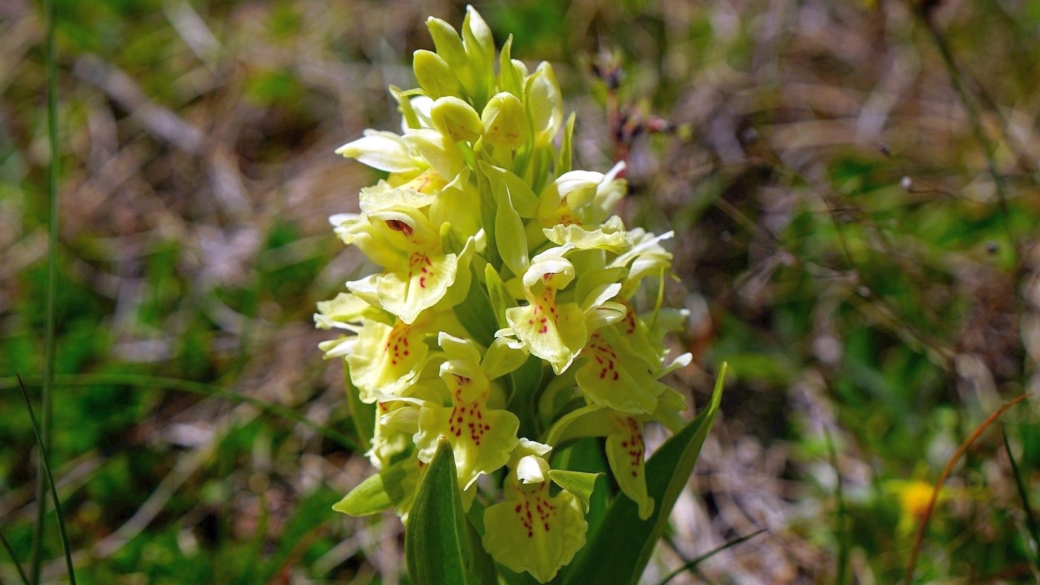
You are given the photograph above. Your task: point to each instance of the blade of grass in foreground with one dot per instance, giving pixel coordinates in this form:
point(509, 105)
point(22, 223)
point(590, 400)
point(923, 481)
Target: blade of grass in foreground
point(842, 531)
point(139, 381)
point(17, 565)
point(52, 287)
point(50, 484)
point(692, 564)
point(1031, 524)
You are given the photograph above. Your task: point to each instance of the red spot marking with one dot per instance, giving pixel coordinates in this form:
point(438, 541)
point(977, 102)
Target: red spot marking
point(399, 226)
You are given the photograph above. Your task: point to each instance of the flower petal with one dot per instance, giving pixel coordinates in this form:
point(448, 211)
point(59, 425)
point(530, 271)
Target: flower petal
point(385, 151)
point(387, 359)
point(481, 438)
point(535, 532)
point(614, 377)
point(625, 451)
point(417, 287)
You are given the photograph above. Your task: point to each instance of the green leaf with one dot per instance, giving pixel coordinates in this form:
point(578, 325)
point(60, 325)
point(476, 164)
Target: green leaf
point(587, 455)
point(476, 314)
point(578, 483)
point(527, 382)
point(439, 543)
point(522, 198)
point(610, 558)
point(563, 163)
point(499, 296)
point(488, 207)
point(508, 78)
point(364, 415)
point(485, 565)
point(510, 235)
point(404, 105)
point(369, 497)
point(379, 492)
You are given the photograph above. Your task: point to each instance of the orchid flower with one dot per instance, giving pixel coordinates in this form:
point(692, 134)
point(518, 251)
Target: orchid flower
point(481, 436)
point(532, 530)
point(394, 232)
point(506, 305)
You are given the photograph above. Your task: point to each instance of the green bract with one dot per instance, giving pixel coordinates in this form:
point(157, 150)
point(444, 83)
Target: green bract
point(502, 325)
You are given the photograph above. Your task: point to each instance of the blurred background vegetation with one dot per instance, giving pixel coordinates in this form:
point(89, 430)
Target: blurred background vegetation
point(854, 190)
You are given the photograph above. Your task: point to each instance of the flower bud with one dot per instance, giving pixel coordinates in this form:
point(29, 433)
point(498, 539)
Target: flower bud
point(449, 45)
point(544, 103)
point(505, 123)
point(477, 38)
point(457, 119)
point(435, 76)
point(480, 54)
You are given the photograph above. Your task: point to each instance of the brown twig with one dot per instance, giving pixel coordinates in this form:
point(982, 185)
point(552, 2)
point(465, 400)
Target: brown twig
point(919, 538)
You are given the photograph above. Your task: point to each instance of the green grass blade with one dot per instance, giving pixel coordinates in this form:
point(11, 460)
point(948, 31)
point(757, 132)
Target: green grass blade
point(53, 490)
point(256, 547)
point(842, 531)
point(1031, 524)
point(619, 551)
point(17, 565)
point(299, 535)
point(689, 566)
point(140, 381)
point(52, 287)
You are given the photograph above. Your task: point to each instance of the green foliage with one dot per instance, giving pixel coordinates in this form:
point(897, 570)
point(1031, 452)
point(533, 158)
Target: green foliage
point(623, 559)
point(441, 546)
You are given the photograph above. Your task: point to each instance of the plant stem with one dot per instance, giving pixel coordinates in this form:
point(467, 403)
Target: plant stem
point(53, 488)
point(46, 408)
